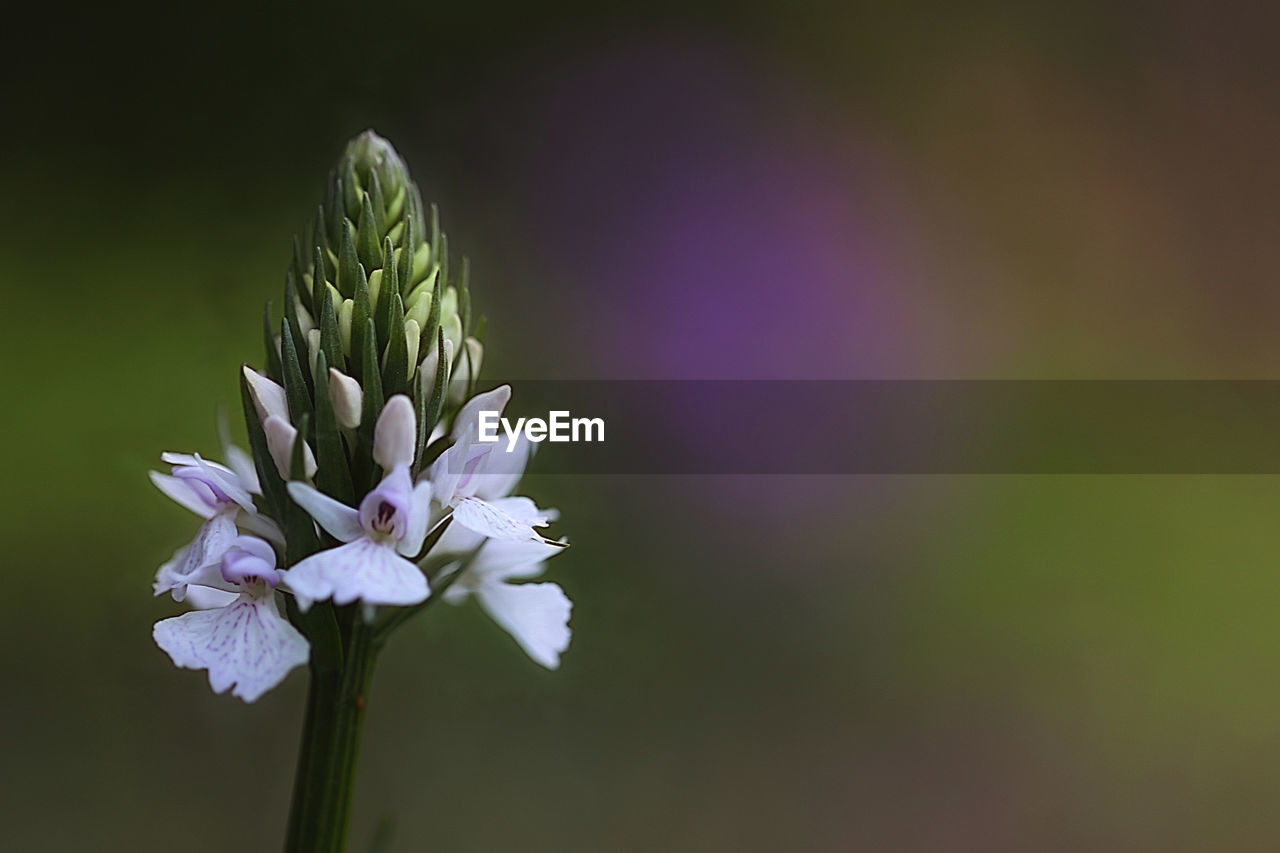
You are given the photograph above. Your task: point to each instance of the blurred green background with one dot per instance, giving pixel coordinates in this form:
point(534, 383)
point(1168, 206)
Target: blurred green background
point(987, 190)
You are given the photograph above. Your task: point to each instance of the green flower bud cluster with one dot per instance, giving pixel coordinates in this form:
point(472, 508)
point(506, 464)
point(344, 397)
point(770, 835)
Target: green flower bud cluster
point(370, 311)
point(373, 253)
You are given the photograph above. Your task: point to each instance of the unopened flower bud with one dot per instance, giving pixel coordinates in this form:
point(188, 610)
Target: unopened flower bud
point(448, 303)
point(347, 397)
point(430, 364)
point(418, 307)
point(345, 311)
point(421, 261)
point(375, 286)
point(412, 335)
point(395, 434)
point(304, 318)
point(313, 347)
point(452, 330)
point(468, 366)
point(280, 438)
point(268, 397)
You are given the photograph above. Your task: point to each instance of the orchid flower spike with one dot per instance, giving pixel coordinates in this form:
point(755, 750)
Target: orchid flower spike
point(468, 475)
point(222, 498)
point(246, 644)
point(389, 526)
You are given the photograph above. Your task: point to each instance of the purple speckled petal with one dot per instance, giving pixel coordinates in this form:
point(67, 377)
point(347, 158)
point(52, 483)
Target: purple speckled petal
point(247, 645)
point(362, 570)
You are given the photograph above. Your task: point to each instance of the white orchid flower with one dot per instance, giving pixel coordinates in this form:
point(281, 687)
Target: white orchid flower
point(219, 495)
point(536, 615)
point(388, 527)
point(246, 644)
point(467, 476)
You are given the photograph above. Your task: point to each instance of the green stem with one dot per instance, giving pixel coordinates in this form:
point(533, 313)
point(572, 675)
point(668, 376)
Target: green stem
point(325, 777)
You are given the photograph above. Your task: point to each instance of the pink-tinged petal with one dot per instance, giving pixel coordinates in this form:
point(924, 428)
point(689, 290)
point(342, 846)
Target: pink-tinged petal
point(487, 519)
point(249, 560)
point(453, 473)
point(467, 423)
point(247, 645)
point(169, 575)
point(200, 562)
point(257, 548)
point(502, 469)
point(419, 520)
point(268, 398)
point(228, 482)
point(242, 464)
point(184, 493)
point(395, 434)
point(280, 438)
point(212, 483)
point(342, 521)
point(444, 475)
point(363, 570)
point(191, 460)
point(536, 615)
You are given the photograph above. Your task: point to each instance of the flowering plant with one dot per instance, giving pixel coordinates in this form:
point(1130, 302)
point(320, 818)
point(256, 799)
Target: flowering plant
point(365, 494)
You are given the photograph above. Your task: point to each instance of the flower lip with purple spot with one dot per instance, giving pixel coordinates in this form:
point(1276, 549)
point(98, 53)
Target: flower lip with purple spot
point(385, 510)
